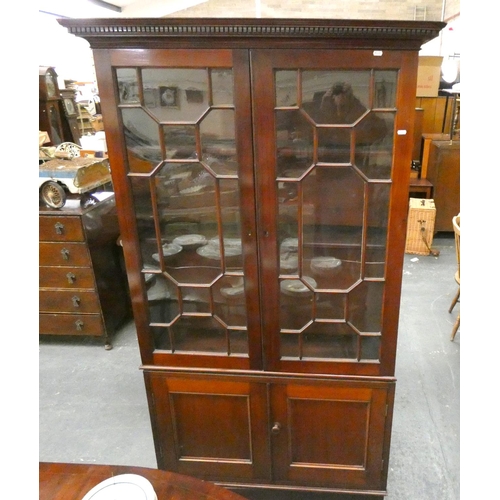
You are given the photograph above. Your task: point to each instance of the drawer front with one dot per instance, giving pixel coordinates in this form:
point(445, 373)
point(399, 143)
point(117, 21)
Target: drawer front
point(64, 254)
point(74, 301)
point(60, 228)
point(66, 277)
point(71, 324)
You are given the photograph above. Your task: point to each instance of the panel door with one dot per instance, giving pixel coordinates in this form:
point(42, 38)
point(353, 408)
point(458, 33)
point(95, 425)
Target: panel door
point(214, 429)
point(333, 141)
point(331, 435)
point(189, 216)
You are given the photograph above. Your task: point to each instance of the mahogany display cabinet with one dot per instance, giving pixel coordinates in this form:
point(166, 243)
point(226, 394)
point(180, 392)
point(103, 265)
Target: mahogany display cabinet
point(261, 171)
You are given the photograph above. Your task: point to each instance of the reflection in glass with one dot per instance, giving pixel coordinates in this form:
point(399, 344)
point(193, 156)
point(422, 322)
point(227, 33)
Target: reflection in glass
point(375, 159)
point(222, 86)
point(336, 96)
point(286, 88)
point(181, 151)
point(294, 136)
point(365, 306)
point(199, 334)
point(218, 144)
point(330, 305)
point(370, 348)
point(229, 297)
point(231, 223)
point(142, 140)
point(128, 88)
point(385, 89)
point(176, 94)
point(329, 340)
point(334, 146)
point(180, 141)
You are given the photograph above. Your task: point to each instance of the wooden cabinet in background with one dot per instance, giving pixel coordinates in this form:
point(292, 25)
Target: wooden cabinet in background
point(83, 288)
point(264, 237)
point(443, 170)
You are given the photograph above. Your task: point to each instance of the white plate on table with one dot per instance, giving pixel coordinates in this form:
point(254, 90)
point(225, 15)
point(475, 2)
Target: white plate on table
point(122, 487)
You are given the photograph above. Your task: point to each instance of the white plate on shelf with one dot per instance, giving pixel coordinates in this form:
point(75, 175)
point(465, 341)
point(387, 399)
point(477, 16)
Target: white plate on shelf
point(232, 291)
point(212, 251)
point(228, 242)
point(289, 245)
point(169, 250)
point(324, 264)
point(289, 261)
point(296, 288)
point(190, 240)
point(122, 487)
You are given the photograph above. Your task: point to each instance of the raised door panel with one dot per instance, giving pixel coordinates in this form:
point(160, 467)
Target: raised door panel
point(331, 435)
point(332, 217)
point(214, 429)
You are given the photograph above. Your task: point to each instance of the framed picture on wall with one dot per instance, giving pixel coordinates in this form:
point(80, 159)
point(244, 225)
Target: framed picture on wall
point(169, 97)
point(194, 96)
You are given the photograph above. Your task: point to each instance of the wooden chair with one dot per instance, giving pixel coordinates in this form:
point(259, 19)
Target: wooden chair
point(456, 229)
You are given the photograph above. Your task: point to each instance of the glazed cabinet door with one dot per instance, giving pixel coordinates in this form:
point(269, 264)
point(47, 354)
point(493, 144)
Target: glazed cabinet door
point(186, 193)
point(332, 139)
point(333, 434)
point(210, 428)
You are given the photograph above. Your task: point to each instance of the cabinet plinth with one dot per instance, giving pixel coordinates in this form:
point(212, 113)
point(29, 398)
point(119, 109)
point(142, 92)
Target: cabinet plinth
point(261, 170)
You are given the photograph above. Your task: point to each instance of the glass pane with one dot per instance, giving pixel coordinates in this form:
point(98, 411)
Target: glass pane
point(162, 300)
point(229, 298)
point(296, 302)
point(336, 96)
point(365, 306)
point(294, 136)
point(195, 299)
point(128, 88)
point(222, 86)
point(180, 141)
point(143, 209)
point(376, 236)
point(238, 342)
point(330, 340)
point(142, 140)
point(218, 144)
point(161, 337)
point(331, 306)
point(375, 159)
point(385, 89)
point(370, 348)
point(286, 88)
point(199, 334)
point(176, 94)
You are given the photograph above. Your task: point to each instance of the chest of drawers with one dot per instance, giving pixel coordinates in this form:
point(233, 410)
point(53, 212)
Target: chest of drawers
point(82, 285)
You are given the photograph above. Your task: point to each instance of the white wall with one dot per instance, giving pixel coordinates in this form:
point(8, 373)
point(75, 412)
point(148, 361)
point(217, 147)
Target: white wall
point(69, 55)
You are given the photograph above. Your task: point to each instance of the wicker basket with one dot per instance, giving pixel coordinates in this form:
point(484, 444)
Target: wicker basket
point(420, 231)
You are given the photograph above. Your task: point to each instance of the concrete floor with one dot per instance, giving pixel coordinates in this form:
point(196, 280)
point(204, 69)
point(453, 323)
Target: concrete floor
point(93, 408)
